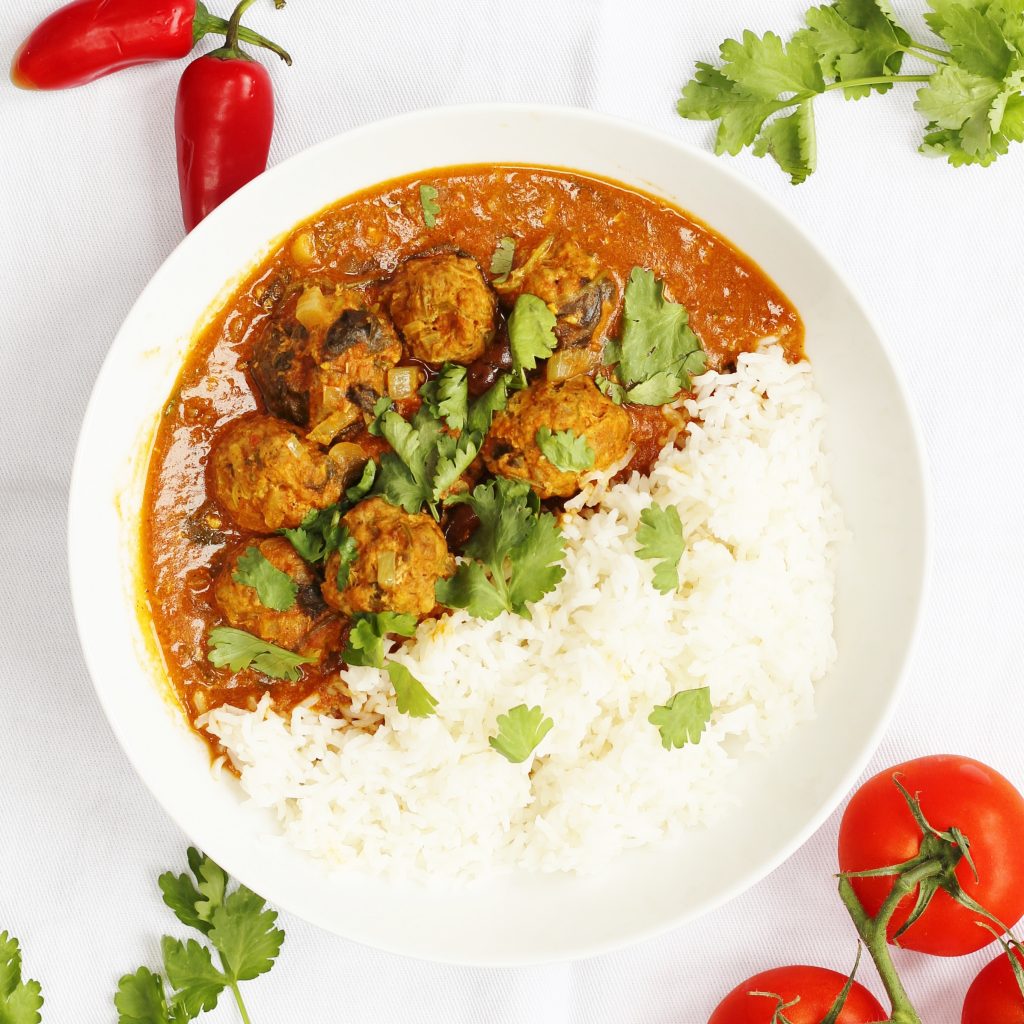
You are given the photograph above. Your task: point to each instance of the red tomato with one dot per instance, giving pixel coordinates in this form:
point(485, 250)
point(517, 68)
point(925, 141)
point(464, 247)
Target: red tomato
point(878, 829)
point(816, 988)
point(994, 996)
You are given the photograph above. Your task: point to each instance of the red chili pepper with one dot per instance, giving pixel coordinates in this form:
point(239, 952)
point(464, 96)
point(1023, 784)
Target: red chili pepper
point(223, 122)
point(88, 39)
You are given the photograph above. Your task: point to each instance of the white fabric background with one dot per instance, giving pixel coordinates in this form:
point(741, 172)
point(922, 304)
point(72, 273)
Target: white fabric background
point(89, 209)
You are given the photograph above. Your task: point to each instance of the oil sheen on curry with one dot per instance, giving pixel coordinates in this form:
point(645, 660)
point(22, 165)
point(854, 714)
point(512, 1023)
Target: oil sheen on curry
point(394, 352)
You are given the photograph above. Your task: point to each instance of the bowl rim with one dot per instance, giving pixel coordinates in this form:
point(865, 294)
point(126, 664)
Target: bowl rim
point(587, 118)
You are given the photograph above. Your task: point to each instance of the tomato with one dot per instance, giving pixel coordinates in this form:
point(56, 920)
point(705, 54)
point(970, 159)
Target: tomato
point(994, 996)
point(878, 829)
point(816, 988)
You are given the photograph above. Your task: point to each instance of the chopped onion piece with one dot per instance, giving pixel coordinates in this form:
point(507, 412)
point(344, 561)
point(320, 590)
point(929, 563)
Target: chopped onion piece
point(571, 362)
point(314, 309)
point(403, 381)
point(386, 569)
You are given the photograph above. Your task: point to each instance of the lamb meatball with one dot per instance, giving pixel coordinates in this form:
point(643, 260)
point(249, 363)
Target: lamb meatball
point(323, 362)
point(443, 307)
point(399, 559)
point(575, 404)
point(241, 606)
point(267, 476)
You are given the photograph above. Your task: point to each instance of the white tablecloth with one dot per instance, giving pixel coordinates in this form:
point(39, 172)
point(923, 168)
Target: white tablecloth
point(89, 209)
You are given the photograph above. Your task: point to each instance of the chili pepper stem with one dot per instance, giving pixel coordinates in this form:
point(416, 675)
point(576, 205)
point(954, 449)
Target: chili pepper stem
point(207, 24)
point(235, 31)
point(874, 934)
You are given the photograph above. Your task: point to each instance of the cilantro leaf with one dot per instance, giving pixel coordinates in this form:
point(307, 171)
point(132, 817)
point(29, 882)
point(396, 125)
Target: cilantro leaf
point(348, 552)
point(405, 476)
point(791, 142)
point(617, 393)
point(362, 487)
point(212, 880)
point(683, 719)
point(20, 1001)
point(520, 732)
point(660, 536)
point(321, 531)
point(447, 396)
point(366, 639)
point(190, 971)
point(240, 650)
point(454, 457)
point(275, 589)
point(181, 895)
point(246, 935)
point(959, 100)
point(482, 409)
point(976, 40)
point(503, 258)
point(531, 332)
point(657, 345)
point(140, 999)
point(513, 557)
point(429, 204)
point(411, 696)
point(765, 67)
point(565, 451)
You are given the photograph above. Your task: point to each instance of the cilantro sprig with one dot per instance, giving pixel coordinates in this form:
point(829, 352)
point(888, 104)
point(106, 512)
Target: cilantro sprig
point(366, 638)
point(429, 205)
point(240, 650)
point(531, 334)
point(660, 536)
point(275, 589)
point(762, 90)
point(20, 1001)
point(520, 732)
point(237, 926)
point(513, 558)
point(447, 396)
point(658, 352)
point(684, 718)
point(503, 258)
point(564, 450)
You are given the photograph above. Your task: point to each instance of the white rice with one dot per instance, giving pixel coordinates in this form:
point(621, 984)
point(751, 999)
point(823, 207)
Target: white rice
point(752, 620)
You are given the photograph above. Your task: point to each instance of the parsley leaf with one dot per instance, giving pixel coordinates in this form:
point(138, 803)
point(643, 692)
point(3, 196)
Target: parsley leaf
point(20, 1001)
point(658, 351)
point(274, 588)
point(683, 719)
point(140, 999)
point(447, 396)
point(190, 970)
point(513, 557)
point(564, 450)
point(660, 536)
point(520, 732)
point(411, 696)
point(240, 650)
point(503, 258)
point(429, 204)
point(348, 552)
point(366, 639)
point(246, 935)
point(531, 333)
point(493, 400)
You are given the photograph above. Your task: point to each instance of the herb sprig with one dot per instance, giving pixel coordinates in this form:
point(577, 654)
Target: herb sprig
point(275, 589)
point(520, 732)
point(684, 718)
point(237, 925)
point(239, 650)
point(970, 94)
point(20, 1001)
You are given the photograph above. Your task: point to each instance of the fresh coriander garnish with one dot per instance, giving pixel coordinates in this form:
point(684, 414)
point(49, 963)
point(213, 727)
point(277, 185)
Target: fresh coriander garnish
point(411, 696)
point(447, 396)
point(565, 451)
point(20, 1001)
point(348, 552)
point(428, 202)
point(520, 732)
point(660, 536)
point(425, 462)
point(362, 487)
point(683, 719)
point(970, 94)
point(494, 399)
point(240, 650)
point(275, 589)
point(318, 534)
point(237, 925)
point(615, 391)
point(514, 555)
point(366, 639)
point(531, 333)
point(658, 351)
point(504, 256)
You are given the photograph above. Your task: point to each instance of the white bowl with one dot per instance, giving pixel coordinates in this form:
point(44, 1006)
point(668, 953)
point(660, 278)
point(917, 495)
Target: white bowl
point(878, 478)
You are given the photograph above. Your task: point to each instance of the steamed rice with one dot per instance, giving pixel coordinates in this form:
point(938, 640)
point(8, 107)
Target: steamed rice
point(752, 620)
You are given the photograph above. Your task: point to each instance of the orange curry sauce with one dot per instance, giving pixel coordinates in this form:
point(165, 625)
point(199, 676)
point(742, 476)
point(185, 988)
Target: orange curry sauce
point(732, 306)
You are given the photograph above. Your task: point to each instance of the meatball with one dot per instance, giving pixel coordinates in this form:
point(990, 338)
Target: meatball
point(266, 476)
point(399, 559)
point(324, 363)
point(575, 404)
point(240, 604)
point(571, 282)
point(443, 307)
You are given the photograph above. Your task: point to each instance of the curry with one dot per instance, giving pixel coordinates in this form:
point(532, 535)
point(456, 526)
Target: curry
point(365, 311)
